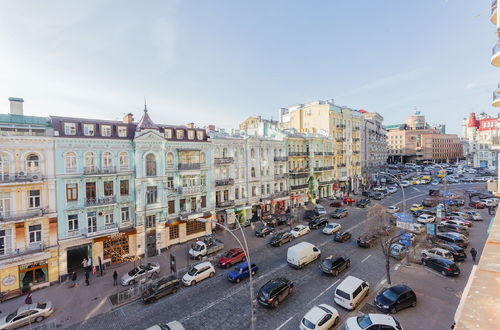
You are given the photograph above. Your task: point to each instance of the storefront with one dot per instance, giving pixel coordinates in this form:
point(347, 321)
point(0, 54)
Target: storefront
point(32, 274)
point(75, 256)
point(280, 205)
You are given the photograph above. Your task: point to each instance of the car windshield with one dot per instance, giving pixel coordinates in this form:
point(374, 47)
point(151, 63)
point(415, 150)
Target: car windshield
point(330, 226)
point(364, 321)
point(192, 271)
point(198, 247)
point(391, 295)
point(342, 294)
point(133, 272)
point(228, 254)
point(11, 316)
point(327, 263)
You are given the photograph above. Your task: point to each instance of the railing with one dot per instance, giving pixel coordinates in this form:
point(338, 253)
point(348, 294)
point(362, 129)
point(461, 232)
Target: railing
point(283, 193)
point(300, 186)
point(191, 190)
point(21, 177)
point(100, 201)
point(298, 171)
point(329, 153)
point(223, 160)
point(224, 182)
point(356, 152)
point(11, 253)
point(341, 165)
point(227, 203)
point(355, 128)
point(186, 212)
point(280, 175)
point(189, 166)
point(318, 153)
point(92, 170)
point(298, 153)
point(326, 182)
point(340, 139)
point(280, 158)
point(356, 139)
point(100, 230)
point(340, 125)
point(6, 216)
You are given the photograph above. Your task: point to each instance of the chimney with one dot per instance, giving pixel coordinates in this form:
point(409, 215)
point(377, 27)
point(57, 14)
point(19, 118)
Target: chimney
point(211, 127)
point(190, 125)
point(16, 105)
point(128, 118)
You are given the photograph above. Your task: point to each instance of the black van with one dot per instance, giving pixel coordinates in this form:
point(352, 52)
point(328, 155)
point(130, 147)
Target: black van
point(161, 288)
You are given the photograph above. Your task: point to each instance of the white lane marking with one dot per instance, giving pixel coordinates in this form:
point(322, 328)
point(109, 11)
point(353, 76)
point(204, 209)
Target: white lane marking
point(283, 324)
point(366, 258)
point(416, 189)
point(383, 281)
point(95, 309)
point(325, 291)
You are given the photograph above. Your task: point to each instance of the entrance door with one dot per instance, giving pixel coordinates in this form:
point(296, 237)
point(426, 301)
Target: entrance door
point(75, 256)
point(151, 243)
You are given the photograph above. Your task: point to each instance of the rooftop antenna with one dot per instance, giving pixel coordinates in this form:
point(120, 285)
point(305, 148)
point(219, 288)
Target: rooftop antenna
point(145, 105)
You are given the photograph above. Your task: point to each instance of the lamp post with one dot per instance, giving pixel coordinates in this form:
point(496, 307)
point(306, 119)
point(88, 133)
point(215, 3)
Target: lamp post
point(399, 183)
point(249, 263)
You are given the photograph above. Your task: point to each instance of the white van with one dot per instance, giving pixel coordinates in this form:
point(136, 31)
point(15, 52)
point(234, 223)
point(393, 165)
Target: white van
point(351, 292)
point(301, 254)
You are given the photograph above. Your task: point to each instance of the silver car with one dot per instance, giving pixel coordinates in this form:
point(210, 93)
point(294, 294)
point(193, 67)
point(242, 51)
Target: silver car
point(135, 275)
point(26, 315)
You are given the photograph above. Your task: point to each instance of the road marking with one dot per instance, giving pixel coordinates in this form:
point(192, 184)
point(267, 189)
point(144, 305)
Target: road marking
point(95, 309)
point(416, 189)
point(383, 281)
point(283, 324)
point(325, 291)
point(366, 258)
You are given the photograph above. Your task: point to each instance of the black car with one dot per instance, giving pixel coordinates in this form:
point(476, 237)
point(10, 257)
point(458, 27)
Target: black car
point(281, 238)
point(395, 299)
point(161, 288)
point(317, 223)
point(310, 214)
point(342, 237)
point(366, 240)
point(334, 265)
point(274, 292)
point(444, 266)
point(458, 253)
point(339, 213)
point(363, 203)
point(264, 231)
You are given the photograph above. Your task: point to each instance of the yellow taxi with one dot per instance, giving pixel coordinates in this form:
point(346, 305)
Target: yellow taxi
point(414, 181)
point(416, 207)
point(425, 177)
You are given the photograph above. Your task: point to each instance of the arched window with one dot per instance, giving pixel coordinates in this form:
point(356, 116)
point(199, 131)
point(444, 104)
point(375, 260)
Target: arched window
point(150, 165)
point(170, 160)
point(242, 153)
point(70, 162)
point(224, 153)
point(32, 163)
point(252, 154)
point(252, 172)
point(89, 161)
point(107, 160)
point(4, 167)
point(236, 155)
point(123, 160)
point(217, 153)
point(202, 159)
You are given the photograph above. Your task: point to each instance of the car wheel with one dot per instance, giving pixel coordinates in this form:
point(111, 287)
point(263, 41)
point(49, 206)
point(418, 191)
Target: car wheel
point(336, 273)
point(336, 321)
point(275, 303)
point(424, 255)
point(212, 274)
point(443, 273)
point(424, 262)
point(393, 310)
point(413, 304)
point(193, 282)
point(39, 319)
point(132, 282)
point(279, 244)
point(290, 289)
point(238, 280)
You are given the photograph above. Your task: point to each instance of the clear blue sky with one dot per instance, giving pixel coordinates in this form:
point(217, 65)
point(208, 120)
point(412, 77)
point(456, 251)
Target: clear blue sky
point(222, 61)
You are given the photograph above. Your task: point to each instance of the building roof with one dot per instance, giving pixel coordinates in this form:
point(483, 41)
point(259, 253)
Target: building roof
point(473, 121)
point(24, 120)
point(146, 122)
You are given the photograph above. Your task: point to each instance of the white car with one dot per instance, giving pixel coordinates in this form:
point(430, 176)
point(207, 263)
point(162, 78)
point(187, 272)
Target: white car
point(198, 273)
point(417, 228)
point(426, 218)
point(300, 230)
point(392, 189)
point(174, 325)
point(393, 209)
point(320, 209)
point(474, 216)
point(488, 202)
point(437, 253)
point(320, 317)
point(27, 315)
point(434, 182)
point(331, 228)
point(140, 272)
point(372, 321)
point(405, 183)
point(455, 221)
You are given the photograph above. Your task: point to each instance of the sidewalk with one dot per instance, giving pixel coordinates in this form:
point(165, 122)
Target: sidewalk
point(74, 305)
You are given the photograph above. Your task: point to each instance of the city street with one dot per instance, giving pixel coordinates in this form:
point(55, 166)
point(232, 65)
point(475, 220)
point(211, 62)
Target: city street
point(219, 304)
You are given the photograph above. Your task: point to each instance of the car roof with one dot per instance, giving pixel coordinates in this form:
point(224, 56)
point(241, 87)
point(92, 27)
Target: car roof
point(315, 314)
point(275, 282)
point(401, 288)
point(203, 264)
point(382, 319)
point(446, 261)
point(244, 264)
point(349, 284)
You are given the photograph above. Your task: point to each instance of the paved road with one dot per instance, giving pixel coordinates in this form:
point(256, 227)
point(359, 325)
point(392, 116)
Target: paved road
point(218, 304)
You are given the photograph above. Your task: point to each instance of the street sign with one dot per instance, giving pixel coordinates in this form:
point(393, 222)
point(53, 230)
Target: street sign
point(404, 220)
point(431, 228)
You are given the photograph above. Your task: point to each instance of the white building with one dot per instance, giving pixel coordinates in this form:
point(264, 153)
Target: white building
point(481, 131)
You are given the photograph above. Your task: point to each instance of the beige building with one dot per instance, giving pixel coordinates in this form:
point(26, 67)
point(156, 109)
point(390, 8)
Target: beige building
point(373, 144)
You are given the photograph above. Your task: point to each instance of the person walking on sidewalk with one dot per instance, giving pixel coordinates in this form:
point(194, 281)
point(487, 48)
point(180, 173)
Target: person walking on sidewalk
point(73, 279)
point(28, 300)
point(473, 253)
point(115, 278)
point(87, 275)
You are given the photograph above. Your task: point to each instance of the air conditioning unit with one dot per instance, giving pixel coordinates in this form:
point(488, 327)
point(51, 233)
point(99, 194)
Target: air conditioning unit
point(35, 177)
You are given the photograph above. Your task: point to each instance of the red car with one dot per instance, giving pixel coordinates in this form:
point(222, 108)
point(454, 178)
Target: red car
point(477, 205)
point(231, 257)
point(349, 200)
point(337, 203)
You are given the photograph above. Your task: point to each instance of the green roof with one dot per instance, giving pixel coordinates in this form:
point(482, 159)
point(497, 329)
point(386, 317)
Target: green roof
point(24, 120)
point(394, 126)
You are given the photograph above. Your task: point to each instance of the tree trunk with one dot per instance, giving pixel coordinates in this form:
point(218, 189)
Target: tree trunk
point(388, 268)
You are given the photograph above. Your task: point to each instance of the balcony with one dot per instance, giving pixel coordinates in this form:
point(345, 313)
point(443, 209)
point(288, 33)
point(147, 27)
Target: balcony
point(324, 183)
point(319, 153)
point(224, 182)
point(496, 97)
point(340, 126)
point(100, 230)
point(495, 58)
point(223, 160)
point(277, 194)
point(281, 159)
point(8, 216)
point(355, 128)
point(94, 170)
point(298, 153)
point(329, 153)
point(191, 190)
point(186, 213)
point(100, 201)
point(227, 203)
point(356, 139)
point(21, 177)
point(356, 152)
point(493, 17)
point(341, 165)
point(189, 166)
point(299, 174)
point(12, 253)
point(278, 176)
point(299, 186)
point(340, 139)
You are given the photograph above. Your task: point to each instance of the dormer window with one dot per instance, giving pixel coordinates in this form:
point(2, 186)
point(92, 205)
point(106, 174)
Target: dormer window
point(105, 130)
point(69, 128)
point(179, 134)
point(191, 135)
point(88, 129)
point(200, 135)
point(168, 133)
point(122, 131)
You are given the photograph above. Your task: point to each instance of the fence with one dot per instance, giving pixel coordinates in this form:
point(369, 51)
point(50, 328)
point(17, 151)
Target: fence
point(131, 293)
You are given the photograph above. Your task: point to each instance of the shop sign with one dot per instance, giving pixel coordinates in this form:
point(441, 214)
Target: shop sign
point(33, 264)
point(9, 280)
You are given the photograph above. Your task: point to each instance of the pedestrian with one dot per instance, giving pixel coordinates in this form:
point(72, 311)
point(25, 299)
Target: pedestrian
point(115, 278)
point(84, 263)
point(87, 276)
point(28, 300)
point(473, 253)
point(73, 279)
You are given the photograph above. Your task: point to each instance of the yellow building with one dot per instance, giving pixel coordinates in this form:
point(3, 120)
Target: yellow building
point(28, 222)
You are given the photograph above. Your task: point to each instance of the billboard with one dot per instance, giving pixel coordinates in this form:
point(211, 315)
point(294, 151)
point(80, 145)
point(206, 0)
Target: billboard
point(404, 220)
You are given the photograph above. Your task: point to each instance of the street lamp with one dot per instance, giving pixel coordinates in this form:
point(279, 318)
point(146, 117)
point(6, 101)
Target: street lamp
point(399, 183)
point(249, 263)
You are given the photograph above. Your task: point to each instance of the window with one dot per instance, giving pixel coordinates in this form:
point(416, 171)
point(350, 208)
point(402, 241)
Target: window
point(179, 134)
point(4, 167)
point(168, 133)
point(193, 227)
point(252, 172)
point(262, 189)
point(122, 131)
point(69, 128)
point(123, 160)
point(252, 154)
point(108, 218)
point(150, 165)
point(107, 160)
point(5, 241)
point(151, 221)
point(73, 222)
point(254, 191)
point(202, 180)
point(89, 161)
point(125, 214)
point(170, 182)
point(203, 201)
point(170, 160)
point(202, 158)
point(243, 195)
point(90, 190)
point(200, 135)
point(182, 205)
point(236, 193)
point(105, 130)
point(34, 198)
point(171, 207)
point(151, 195)
point(268, 188)
point(71, 192)
point(70, 162)
point(108, 188)
point(32, 163)
point(124, 187)
point(190, 135)
point(35, 232)
point(88, 129)
point(173, 231)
